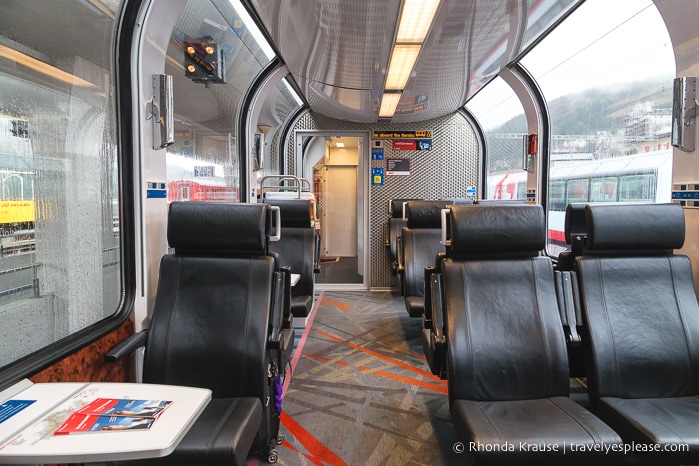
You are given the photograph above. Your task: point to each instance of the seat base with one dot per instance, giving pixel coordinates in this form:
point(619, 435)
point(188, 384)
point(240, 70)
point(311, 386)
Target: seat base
point(434, 354)
point(221, 436)
point(544, 431)
point(645, 422)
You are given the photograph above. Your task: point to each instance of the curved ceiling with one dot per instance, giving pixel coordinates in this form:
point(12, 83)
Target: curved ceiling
point(338, 50)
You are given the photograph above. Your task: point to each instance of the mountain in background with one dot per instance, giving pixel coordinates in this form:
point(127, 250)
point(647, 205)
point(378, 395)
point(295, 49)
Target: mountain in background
point(593, 113)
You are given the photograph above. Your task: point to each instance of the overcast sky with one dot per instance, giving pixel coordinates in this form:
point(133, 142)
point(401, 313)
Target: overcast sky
point(603, 43)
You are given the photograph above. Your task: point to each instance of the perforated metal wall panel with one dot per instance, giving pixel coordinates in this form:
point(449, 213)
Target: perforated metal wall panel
point(445, 171)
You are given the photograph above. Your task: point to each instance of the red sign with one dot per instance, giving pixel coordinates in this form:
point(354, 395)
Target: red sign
point(404, 144)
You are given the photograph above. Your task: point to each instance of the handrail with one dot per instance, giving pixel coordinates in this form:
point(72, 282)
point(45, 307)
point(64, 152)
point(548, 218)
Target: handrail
point(281, 178)
point(301, 185)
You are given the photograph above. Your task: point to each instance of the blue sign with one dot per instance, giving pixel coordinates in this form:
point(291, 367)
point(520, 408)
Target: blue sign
point(471, 191)
point(377, 153)
point(423, 144)
point(11, 407)
point(377, 176)
point(156, 190)
point(685, 195)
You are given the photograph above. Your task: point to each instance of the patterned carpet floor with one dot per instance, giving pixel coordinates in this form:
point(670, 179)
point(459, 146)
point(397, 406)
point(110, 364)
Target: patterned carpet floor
point(361, 391)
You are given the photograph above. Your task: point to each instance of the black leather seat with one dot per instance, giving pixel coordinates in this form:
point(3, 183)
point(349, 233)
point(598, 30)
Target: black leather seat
point(575, 231)
point(506, 364)
point(394, 226)
point(215, 324)
point(641, 312)
point(296, 249)
point(419, 244)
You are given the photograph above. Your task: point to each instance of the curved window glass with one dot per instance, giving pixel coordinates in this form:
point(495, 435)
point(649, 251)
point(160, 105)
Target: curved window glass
point(279, 105)
point(215, 51)
point(607, 74)
point(500, 113)
point(60, 269)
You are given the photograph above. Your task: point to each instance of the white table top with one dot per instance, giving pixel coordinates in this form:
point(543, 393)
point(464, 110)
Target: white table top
point(27, 436)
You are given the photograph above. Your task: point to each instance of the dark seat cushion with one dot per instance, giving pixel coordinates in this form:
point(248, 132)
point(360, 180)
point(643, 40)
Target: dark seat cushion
point(301, 305)
point(536, 431)
point(221, 436)
point(662, 421)
point(420, 247)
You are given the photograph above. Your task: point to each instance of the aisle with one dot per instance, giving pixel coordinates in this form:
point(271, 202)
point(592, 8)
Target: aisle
point(362, 393)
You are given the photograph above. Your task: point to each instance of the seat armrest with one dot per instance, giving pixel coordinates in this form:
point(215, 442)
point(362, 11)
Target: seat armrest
point(127, 346)
point(277, 311)
point(427, 313)
point(400, 265)
point(286, 306)
point(316, 255)
point(437, 310)
point(568, 304)
point(438, 339)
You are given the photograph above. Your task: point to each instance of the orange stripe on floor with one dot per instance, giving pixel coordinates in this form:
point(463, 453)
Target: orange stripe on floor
point(398, 363)
point(339, 305)
point(327, 335)
point(441, 387)
point(314, 446)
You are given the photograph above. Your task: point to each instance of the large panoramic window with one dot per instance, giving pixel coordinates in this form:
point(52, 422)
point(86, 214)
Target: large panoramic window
point(500, 114)
point(60, 269)
point(606, 73)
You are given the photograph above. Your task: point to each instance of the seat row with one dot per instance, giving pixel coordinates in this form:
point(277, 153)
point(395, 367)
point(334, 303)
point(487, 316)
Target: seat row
point(414, 233)
point(221, 320)
point(496, 334)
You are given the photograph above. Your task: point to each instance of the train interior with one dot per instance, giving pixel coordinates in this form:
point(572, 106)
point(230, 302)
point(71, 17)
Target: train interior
point(416, 232)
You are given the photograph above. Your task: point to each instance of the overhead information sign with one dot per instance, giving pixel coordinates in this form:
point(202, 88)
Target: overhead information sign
point(402, 134)
point(412, 144)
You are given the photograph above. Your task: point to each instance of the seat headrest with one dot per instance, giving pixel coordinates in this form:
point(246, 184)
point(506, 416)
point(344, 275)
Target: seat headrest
point(494, 231)
point(425, 214)
point(500, 201)
point(295, 213)
point(396, 207)
point(575, 223)
point(634, 227)
point(235, 229)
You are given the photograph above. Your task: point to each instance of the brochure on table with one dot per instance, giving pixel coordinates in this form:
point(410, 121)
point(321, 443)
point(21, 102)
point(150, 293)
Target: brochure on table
point(113, 414)
point(31, 413)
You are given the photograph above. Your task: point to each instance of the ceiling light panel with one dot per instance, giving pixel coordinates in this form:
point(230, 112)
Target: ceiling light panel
point(401, 66)
point(415, 20)
point(389, 103)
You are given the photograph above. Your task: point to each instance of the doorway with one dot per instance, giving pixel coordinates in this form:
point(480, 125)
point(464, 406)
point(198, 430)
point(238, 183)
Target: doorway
point(335, 164)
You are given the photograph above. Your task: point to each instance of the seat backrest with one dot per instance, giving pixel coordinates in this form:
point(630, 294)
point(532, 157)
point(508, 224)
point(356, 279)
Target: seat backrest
point(296, 248)
point(212, 306)
point(395, 207)
point(420, 243)
point(504, 334)
point(575, 233)
point(639, 303)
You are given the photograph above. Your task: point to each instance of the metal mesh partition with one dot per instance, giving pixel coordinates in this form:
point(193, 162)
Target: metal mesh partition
point(445, 171)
